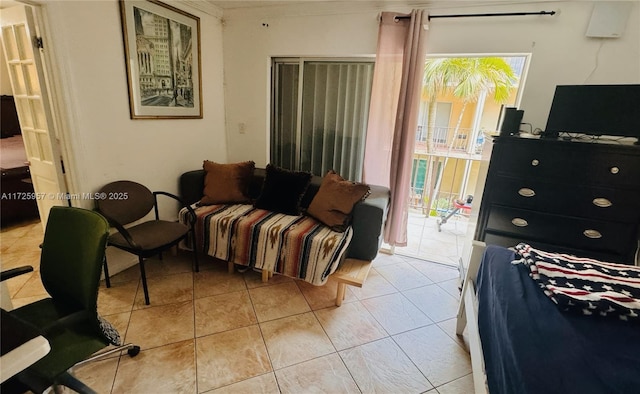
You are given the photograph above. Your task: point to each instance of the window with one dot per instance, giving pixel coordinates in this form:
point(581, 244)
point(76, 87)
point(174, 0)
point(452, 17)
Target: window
point(443, 114)
point(320, 110)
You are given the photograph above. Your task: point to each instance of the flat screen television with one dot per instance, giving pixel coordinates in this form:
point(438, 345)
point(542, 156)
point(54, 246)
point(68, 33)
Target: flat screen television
point(595, 110)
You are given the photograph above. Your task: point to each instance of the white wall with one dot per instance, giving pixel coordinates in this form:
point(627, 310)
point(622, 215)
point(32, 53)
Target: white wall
point(561, 54)
point(106, 144)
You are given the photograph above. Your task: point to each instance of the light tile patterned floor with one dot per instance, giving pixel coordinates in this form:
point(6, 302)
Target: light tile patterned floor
point(424, 241)
point(219, 333)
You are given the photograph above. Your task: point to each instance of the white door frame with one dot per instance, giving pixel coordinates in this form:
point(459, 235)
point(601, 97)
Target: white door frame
point(61, 100)
point(55, 82)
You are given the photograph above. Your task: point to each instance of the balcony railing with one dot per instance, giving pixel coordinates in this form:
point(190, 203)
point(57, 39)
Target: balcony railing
point(446, 142)
point(445, 139)
point(443, 205)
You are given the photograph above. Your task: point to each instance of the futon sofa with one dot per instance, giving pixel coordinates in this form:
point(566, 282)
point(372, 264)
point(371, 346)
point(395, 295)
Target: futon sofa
point(367, 221)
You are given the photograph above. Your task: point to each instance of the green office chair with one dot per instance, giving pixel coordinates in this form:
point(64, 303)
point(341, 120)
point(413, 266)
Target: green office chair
point(126, 202)
point(70, 264)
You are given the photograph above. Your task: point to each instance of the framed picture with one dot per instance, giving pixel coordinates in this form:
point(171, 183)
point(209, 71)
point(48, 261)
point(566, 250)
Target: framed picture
point(162, 52)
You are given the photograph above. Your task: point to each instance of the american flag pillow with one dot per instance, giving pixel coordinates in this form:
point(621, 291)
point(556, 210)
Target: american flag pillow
point(582, 285)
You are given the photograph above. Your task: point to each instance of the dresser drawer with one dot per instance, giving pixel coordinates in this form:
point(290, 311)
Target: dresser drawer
point(530, 160)
point(596, 235)
point(567, 199)
point(621, 170)
point(610, 166)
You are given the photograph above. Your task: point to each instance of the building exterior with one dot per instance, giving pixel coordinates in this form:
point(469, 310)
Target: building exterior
point(455, 151)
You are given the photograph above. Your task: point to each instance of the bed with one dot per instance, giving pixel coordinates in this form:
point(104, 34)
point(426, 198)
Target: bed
point(16, 179)
point(521, 342)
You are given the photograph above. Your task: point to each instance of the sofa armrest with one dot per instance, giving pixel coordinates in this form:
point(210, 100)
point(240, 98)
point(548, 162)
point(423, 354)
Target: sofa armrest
point(192, 186)
point(368, 221)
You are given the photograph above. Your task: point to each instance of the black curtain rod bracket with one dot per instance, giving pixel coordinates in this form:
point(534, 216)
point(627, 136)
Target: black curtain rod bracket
point(482, 15)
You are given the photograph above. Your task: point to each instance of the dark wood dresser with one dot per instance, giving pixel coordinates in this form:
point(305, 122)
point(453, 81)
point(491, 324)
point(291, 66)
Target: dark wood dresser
point(581, 198)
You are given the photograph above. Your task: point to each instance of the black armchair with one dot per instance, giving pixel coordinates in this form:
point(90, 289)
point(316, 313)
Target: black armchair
point(126, 202)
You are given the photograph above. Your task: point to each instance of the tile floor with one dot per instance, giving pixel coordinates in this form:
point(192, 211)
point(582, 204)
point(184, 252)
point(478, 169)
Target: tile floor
point(212, 332)
point(424, 241)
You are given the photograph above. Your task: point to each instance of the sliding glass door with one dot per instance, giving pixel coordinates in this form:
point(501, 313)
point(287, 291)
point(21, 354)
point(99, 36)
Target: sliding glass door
point(319, 115)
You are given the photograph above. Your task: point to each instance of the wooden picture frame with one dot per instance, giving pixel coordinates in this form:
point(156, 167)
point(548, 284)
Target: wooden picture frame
point(162, 52)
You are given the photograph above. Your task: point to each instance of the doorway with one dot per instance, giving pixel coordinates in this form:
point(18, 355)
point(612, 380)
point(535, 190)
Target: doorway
point(453, 127)
point(24, 65)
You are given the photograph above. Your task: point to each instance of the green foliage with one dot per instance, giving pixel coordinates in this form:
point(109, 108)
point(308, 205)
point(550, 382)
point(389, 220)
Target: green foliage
point(468, 77)
point(440, 205)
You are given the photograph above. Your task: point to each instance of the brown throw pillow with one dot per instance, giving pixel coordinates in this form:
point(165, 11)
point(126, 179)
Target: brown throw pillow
point(333, 203)
point(226, 183)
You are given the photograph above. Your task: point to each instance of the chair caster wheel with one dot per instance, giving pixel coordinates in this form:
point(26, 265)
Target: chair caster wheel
point(133, 351)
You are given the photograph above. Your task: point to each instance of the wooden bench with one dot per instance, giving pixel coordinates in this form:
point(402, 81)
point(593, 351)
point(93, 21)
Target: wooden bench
point(351, 272)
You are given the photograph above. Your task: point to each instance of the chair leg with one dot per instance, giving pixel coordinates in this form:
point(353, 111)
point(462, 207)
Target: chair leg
point(106, 272)
point(195, 250)
point(68, 380)
point(131, 349)
point(144, 281)
point(196, 266)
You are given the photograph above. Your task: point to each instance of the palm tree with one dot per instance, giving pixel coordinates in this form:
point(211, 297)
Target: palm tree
point(468, 79)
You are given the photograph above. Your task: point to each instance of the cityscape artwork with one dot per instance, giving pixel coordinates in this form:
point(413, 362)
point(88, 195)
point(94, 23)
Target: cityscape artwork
point(162, 50)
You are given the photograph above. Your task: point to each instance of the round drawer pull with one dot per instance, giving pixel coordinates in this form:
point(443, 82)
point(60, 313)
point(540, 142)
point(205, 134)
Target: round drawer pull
point(535, 162)
point(519, 222)
point(593, 234)
point(526, 192)
point(614, 170)
point(602, 202)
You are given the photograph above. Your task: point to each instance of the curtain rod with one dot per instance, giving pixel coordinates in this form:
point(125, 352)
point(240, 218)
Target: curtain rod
point(482, 15)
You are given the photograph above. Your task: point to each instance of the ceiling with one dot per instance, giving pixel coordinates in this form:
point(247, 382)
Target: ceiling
point(7, 3)
point(233, 4)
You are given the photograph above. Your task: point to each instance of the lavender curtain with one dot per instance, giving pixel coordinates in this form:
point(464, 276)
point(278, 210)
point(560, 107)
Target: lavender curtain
point(393, 114)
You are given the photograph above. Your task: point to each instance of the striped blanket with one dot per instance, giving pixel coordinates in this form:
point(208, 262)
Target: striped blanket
point(295, 246)
point(583, 285)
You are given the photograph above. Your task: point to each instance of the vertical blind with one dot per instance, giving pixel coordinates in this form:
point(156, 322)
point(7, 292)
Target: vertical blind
point(285, 115)
point(326, 128)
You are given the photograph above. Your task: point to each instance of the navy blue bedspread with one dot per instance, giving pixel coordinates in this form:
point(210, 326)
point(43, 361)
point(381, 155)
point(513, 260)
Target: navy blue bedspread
point(530, 346)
